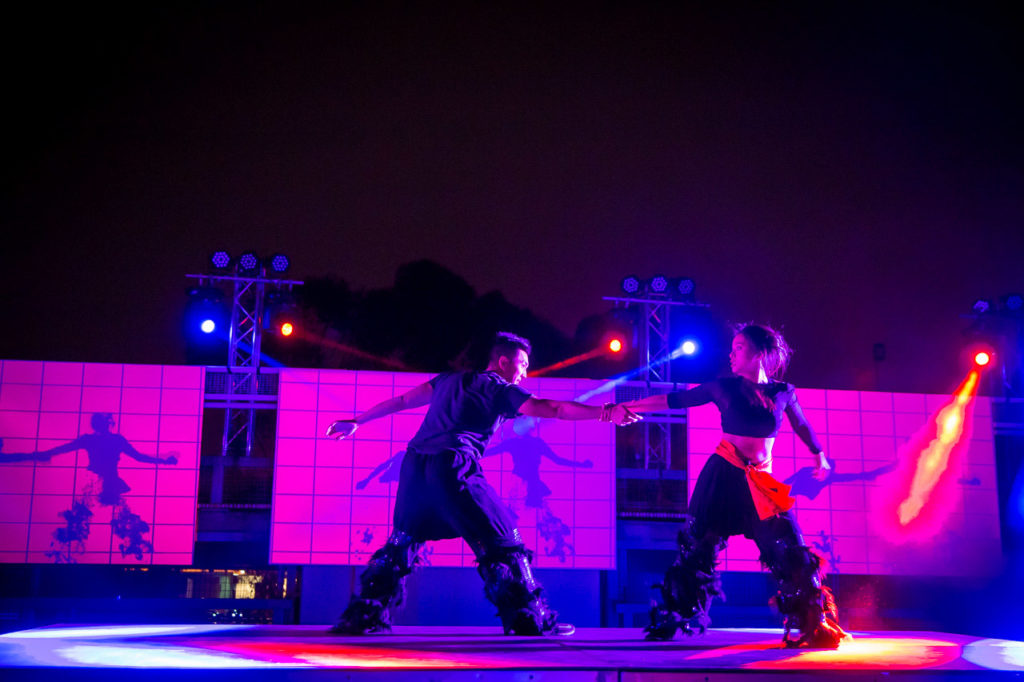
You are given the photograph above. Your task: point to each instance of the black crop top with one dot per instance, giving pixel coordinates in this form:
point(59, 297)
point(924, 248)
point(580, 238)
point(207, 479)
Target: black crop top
point(743, 417)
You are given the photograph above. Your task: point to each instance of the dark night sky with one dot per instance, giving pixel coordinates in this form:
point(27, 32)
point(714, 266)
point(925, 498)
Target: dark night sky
point(850, 172)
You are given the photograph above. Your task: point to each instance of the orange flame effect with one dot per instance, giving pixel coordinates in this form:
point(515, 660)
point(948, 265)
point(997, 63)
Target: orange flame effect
point(934, 459)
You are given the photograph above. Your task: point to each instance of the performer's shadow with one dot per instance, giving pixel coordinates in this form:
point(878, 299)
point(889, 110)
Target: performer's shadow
point(527, 450)
point(387, 471)
point(104, 449)
point(806, 485)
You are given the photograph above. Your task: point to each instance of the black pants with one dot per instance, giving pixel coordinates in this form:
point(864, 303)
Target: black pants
point(445, 495)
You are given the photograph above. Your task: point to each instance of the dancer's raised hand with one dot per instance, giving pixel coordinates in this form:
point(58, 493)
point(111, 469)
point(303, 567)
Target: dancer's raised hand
point(341, 429)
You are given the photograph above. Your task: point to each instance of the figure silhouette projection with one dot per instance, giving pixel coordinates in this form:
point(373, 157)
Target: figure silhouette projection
point(104, 448)
point(527, 449)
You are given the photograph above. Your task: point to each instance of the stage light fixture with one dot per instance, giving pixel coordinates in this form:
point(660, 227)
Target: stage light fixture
point(615, 345)
point(631, 284)
point(981, 306)
point(659, 284)
point(1013, 302)
point(685, 286)
point(688, 347)
point(982, 358)
point(220, 260)
point(205, 312)
point(248, 263)
point(281, 314)
point(279, 263)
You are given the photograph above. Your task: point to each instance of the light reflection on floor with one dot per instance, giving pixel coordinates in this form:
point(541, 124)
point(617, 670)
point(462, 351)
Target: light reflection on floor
point(263, 647)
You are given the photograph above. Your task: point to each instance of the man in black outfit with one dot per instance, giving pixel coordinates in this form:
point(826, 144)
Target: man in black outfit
point(442, 492)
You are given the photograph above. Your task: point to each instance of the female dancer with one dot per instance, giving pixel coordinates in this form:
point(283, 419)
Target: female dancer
point(736, 495)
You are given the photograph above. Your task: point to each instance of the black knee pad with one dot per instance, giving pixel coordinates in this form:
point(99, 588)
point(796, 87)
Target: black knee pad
point(509, 584)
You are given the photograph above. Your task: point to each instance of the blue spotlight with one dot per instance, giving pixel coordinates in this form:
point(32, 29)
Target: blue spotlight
point(1013, 302)
point(659, 283)
point(688, 347)
point(631, 284)
point(685, 286)
point(204, 313)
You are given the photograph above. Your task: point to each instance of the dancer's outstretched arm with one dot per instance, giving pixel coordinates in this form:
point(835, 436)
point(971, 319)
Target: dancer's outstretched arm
point(417, 397)
point(575, 411)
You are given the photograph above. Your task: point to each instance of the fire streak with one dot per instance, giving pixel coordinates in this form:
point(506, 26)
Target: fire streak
point(934, 459)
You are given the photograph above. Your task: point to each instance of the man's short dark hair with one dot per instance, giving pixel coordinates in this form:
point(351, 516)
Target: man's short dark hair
point(506, 344)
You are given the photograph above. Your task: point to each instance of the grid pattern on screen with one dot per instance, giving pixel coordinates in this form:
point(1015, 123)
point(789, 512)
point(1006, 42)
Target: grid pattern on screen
point(61, 510)
point(333, 501)
point(866, 434)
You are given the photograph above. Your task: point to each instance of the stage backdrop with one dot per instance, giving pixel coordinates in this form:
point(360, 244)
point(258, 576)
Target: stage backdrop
point(873, 439)
point(98, 463)
point(333, 500)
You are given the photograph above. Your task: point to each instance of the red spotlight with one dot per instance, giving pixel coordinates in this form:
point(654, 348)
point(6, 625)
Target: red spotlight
point(287, 329)
point(615, 345)
point(982, 358)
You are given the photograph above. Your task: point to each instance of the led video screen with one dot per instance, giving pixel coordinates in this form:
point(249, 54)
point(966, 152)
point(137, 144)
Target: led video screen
point(333, 501)
point(98, 462)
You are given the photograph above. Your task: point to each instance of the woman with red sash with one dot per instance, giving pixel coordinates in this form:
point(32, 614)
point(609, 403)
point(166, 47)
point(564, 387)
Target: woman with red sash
point(736, 494)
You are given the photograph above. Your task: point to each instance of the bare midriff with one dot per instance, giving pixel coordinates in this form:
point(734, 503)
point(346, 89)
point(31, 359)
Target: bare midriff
point(754, 450)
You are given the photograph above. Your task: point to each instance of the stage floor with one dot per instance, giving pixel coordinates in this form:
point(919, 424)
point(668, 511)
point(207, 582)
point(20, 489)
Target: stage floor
point(224, 652)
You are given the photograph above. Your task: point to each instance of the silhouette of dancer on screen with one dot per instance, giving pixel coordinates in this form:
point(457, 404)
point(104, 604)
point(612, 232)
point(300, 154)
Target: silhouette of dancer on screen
point(526, 450)
point(104, 448)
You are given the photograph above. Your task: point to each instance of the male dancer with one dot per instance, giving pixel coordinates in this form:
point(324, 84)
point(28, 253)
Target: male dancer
point(442, 492)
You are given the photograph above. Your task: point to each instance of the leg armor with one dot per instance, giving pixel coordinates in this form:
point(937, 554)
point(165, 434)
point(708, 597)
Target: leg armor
point(690, 584)
point(509, 584)
point(807, 606)
point(382, 586)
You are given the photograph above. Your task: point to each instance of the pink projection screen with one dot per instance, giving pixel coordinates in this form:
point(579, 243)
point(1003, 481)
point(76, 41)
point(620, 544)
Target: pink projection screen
point(333, 501)
point(871, 438)
point(99, 463)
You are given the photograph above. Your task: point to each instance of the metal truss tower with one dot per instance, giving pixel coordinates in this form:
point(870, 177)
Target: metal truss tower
point(240, 395)
point(656, 354)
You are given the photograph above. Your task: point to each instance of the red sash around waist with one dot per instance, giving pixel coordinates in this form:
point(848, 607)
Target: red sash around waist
point(770, 496)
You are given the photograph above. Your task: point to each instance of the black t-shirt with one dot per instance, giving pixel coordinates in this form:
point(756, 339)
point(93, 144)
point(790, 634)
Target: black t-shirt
point(466, 408)
point(743, 414)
